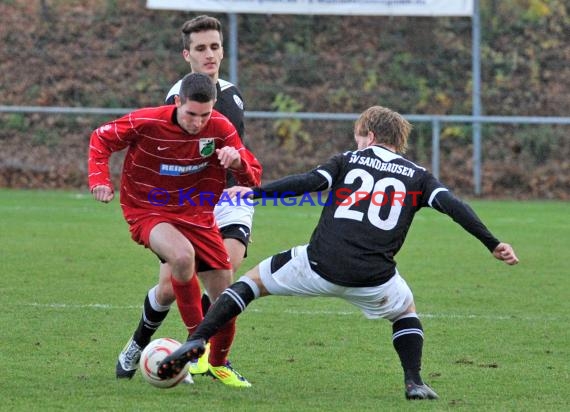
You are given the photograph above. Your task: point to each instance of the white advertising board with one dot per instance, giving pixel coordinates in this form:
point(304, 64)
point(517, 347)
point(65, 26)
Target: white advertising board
point(339, 7)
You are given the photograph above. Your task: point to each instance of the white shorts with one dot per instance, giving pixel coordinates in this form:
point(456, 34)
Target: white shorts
point(233, 214)
point(296, 278)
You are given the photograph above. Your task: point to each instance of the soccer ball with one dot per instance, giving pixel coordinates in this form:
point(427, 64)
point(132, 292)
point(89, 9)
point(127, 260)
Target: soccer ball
point(151, 357)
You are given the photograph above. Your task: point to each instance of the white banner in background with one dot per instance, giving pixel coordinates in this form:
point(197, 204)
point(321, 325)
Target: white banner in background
point(341, 7)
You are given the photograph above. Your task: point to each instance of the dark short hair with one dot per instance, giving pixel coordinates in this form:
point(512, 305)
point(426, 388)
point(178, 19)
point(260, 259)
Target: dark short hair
point(198, 24)
point(197, 87)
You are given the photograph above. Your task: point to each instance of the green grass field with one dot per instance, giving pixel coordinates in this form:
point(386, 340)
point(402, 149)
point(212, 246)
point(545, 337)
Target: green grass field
point(496, 337)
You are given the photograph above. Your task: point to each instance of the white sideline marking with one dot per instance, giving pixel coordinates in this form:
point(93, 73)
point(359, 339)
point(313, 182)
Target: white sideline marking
point(303, 312)
point(76, 306)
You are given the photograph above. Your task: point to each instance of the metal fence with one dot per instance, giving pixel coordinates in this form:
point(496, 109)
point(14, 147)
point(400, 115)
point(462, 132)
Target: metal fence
point(436, 122)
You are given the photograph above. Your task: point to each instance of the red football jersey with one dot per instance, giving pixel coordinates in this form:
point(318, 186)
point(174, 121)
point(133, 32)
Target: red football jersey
point(166, 169)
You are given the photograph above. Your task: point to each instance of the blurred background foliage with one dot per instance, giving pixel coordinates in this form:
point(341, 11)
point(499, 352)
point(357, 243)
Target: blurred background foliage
point(117, 53)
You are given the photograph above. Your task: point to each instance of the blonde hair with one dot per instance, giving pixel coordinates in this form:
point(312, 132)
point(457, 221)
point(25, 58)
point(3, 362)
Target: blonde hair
point(387, 126)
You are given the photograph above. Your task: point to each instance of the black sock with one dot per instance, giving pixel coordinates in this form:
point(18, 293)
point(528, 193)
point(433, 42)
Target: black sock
point(206, 303)
point(408, 340)
point(231, 303)
point(150, 321)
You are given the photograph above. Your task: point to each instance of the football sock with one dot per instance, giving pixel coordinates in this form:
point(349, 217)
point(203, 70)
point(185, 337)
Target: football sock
point(152, 316)
point(231, 303)
point(221, 343)
point(408, 339)
point(206, 303)
point(188, 301)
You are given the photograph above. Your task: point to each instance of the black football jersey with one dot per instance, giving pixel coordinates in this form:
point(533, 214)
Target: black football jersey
point(374, 195)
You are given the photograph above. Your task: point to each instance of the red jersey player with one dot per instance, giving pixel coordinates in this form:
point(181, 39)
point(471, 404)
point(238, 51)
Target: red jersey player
point(173, 175)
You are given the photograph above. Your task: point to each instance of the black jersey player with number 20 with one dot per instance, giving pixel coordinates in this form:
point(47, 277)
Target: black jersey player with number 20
point(374, 195)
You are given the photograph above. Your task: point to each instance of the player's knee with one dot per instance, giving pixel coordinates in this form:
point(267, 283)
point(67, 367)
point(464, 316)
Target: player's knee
point(408, 312)
point(165, 294)
point(182, 260)
point(253, 277)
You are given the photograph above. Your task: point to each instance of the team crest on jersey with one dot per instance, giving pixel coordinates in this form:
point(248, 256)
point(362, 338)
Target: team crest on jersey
point(207, 147)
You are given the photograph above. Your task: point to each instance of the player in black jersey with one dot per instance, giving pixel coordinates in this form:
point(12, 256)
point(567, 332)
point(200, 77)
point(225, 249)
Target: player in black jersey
point(374, 195)
point(202, 42)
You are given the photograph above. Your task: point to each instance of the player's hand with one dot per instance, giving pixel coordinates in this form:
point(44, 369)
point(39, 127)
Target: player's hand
point(103, 193)
point(240, 192)
point(506, 253)
point(229, 157)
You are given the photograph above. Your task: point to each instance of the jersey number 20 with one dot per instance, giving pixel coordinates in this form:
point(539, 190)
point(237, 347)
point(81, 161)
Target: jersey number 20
point(377, 198)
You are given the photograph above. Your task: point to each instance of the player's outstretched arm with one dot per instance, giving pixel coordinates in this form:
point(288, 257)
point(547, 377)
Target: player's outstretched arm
point(103, 193)
point(506, 253)
point(239, 191)
point(462, 213)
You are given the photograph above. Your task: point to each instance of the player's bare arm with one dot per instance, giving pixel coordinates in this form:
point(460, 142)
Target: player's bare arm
point(506, 253)
point(239, 191)
point(103, 193)
point(229, 157)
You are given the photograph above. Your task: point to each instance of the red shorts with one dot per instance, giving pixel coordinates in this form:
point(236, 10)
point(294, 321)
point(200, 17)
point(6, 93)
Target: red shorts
point(206, 240)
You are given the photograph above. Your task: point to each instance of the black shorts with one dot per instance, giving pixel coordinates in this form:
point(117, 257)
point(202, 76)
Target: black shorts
point(239, 232)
